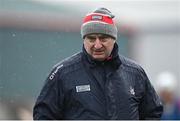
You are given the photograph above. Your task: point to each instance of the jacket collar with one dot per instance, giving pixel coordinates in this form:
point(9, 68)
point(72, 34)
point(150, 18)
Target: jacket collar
point(113, 59)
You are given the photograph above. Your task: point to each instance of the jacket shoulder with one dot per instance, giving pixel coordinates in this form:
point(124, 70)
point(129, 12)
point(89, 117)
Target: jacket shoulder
point(129, 62)
point(74, 59)
point(132, 66)
point(70, 62)
point(67, 65)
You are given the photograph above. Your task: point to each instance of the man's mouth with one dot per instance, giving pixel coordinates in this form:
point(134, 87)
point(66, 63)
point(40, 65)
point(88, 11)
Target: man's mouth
point(98, 52)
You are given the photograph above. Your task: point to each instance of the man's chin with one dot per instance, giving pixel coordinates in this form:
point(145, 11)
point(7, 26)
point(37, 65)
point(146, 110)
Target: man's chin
point(99, 57)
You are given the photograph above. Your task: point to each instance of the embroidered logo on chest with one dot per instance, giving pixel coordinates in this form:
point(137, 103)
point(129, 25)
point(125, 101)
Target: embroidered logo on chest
point(131, 90)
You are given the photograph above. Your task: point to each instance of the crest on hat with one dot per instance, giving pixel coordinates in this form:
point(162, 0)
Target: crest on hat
point(97, 17)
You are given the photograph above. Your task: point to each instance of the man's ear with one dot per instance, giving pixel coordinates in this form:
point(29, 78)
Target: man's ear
point(114, 40)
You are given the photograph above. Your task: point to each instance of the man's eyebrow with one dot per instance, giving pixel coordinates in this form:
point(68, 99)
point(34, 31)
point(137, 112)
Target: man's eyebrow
point(103, 35)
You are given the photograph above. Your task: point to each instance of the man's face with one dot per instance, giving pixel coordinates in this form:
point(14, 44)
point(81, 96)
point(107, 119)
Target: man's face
point(99, 46)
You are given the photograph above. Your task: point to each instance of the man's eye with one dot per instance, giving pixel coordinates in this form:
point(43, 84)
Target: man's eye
point(91, 39)
point(104, 38)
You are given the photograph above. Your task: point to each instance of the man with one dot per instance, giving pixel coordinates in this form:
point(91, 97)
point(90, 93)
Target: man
point(97, 83)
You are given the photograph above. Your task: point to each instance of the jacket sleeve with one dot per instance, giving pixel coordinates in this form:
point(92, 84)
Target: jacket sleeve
point(151, 106)
point(49, 103)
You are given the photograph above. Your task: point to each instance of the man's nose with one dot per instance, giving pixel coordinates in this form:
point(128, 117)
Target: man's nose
point(98, 44)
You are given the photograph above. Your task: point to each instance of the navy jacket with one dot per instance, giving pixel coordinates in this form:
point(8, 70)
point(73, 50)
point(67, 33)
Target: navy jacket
point(82, 88)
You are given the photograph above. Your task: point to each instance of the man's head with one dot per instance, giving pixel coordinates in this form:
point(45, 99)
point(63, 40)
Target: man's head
point(99, 33)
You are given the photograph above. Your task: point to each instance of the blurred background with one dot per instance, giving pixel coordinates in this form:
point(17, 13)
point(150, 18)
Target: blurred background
point(37, 34)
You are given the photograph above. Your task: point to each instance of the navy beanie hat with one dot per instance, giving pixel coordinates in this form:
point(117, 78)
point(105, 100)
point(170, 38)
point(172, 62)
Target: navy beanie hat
point(99, 21)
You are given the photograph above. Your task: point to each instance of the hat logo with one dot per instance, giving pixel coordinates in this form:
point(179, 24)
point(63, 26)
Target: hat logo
point(97, 17)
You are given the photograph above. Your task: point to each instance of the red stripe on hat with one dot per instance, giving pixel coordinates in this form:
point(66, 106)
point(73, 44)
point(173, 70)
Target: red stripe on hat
point(98, 17)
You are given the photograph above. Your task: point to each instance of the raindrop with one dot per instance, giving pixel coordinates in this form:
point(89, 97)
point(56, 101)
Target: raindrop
point(13, 35)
